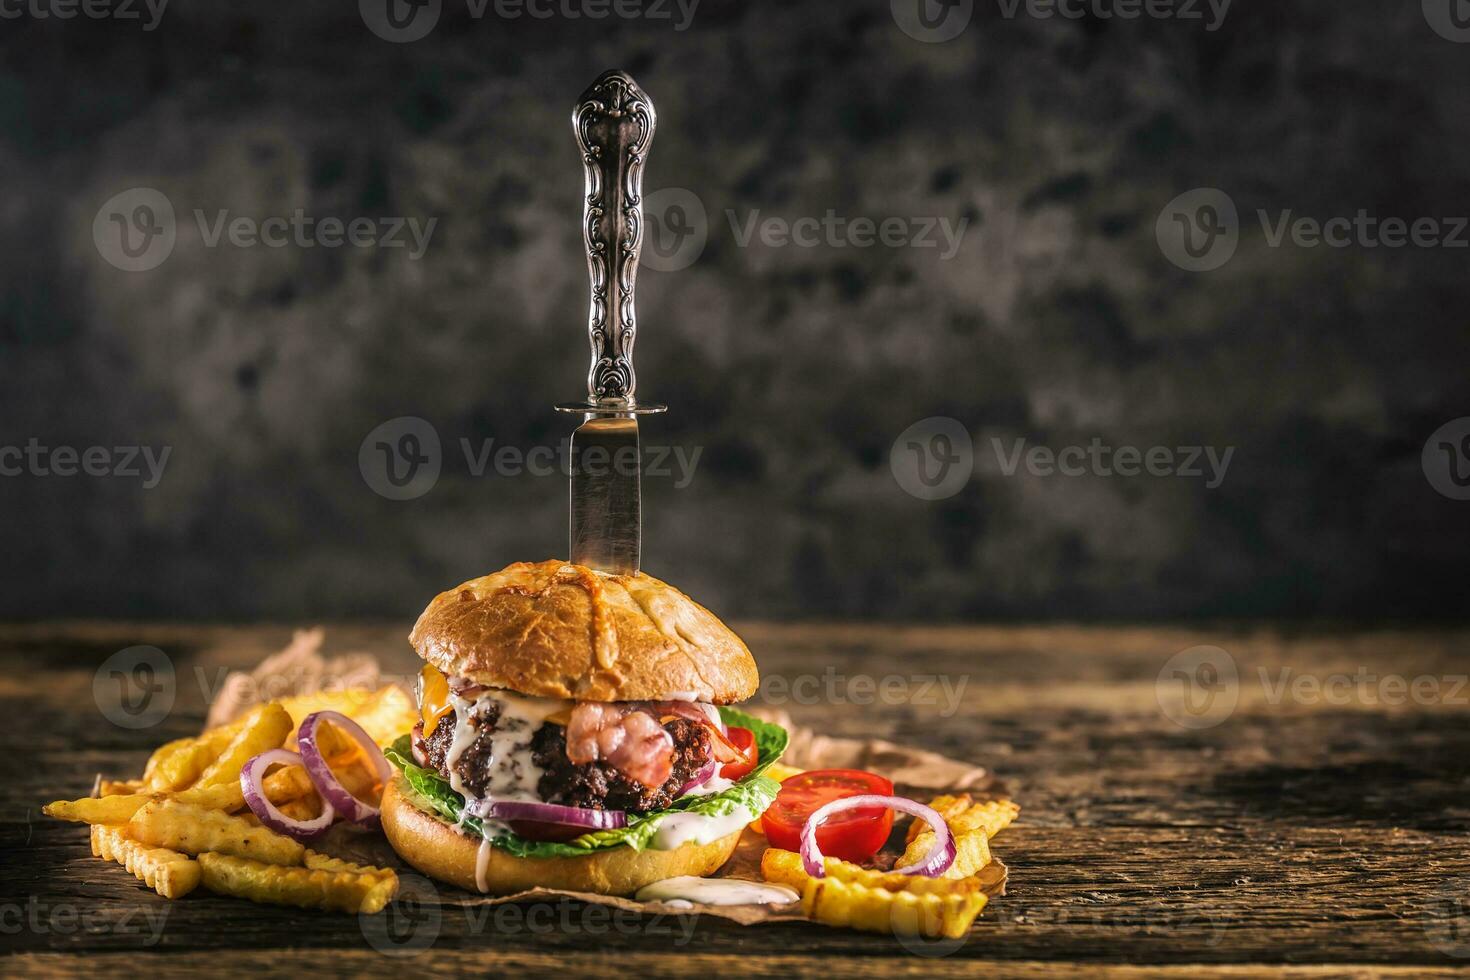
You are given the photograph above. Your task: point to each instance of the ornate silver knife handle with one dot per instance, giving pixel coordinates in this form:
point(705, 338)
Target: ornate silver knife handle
point(614, 122)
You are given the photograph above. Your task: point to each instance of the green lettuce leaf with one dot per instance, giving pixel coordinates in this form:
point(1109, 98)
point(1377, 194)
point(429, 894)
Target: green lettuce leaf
point(754, 791)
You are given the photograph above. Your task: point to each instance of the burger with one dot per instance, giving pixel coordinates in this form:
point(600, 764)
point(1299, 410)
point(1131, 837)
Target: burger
point(574, 732)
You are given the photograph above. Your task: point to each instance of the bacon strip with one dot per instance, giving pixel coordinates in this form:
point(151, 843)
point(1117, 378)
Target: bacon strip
point(701, 714)
point(626, 734)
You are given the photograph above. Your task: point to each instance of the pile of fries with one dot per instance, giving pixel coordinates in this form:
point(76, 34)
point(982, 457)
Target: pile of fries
point(859, 898)
point(185, 822)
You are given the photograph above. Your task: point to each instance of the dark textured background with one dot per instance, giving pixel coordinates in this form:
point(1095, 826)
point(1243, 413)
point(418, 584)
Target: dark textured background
point(1059, 320)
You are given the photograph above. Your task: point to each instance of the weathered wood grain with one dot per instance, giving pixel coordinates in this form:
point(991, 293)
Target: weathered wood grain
point(1323, 837)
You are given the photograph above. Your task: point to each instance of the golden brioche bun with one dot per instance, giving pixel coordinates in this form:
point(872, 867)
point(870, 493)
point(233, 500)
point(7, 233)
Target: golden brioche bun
point(440, 851)
point(555, 630)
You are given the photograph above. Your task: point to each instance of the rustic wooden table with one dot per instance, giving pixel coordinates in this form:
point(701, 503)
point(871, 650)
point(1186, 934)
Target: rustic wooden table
point(1291, 802)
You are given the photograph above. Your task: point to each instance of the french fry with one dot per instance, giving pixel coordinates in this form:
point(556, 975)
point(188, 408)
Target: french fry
point(384, 714)
point(163, 752)
point(305, 808)
point(302, 887)
point(119, 787)
point(281, 785)
point(97, 809)
point(786, 868)
point(181, 767)
point(285, 784)
point(195, 829)
point(972, 825)
point(171, 874)
point(358, 780)
point(848, 903)
point(317, 861)
point(266, 729)
point(964, 814)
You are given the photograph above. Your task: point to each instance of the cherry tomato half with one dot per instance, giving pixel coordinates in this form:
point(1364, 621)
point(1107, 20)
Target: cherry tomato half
point(854, 835)
point(744, 740)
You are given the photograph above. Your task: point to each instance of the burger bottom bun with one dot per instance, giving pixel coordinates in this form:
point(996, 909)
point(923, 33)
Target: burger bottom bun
point(440, 851)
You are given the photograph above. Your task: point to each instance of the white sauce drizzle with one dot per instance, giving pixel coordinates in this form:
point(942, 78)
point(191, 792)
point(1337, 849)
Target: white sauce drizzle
point(677, 829)
point(715, 784)
point(482, 865)
point(687, 890)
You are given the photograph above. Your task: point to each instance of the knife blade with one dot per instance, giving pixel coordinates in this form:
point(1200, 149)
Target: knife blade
point(614, 121)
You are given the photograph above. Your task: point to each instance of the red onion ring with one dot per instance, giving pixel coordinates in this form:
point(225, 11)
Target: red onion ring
point(250, 784)
point(934, 864)
point(554, 813)
point(332, 791)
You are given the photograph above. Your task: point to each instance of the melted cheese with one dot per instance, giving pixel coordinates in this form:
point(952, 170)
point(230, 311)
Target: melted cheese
point(434, 696)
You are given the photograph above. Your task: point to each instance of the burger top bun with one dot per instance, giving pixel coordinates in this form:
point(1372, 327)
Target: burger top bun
point(556, 630)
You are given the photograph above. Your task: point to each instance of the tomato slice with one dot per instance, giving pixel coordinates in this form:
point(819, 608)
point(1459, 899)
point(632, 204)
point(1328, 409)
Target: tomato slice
point(853, 835)
point(744, 740)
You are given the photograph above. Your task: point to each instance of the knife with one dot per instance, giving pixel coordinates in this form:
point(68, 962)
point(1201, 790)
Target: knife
point(614, 123)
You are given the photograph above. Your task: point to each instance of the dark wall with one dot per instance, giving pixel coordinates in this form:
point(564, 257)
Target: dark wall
point(1066, 316)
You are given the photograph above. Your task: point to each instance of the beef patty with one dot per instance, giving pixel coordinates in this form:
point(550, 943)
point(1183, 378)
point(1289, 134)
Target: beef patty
point(592, 785)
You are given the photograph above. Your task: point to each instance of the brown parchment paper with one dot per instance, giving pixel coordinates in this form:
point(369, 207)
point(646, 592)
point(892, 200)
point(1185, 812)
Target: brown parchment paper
point(302, 668)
